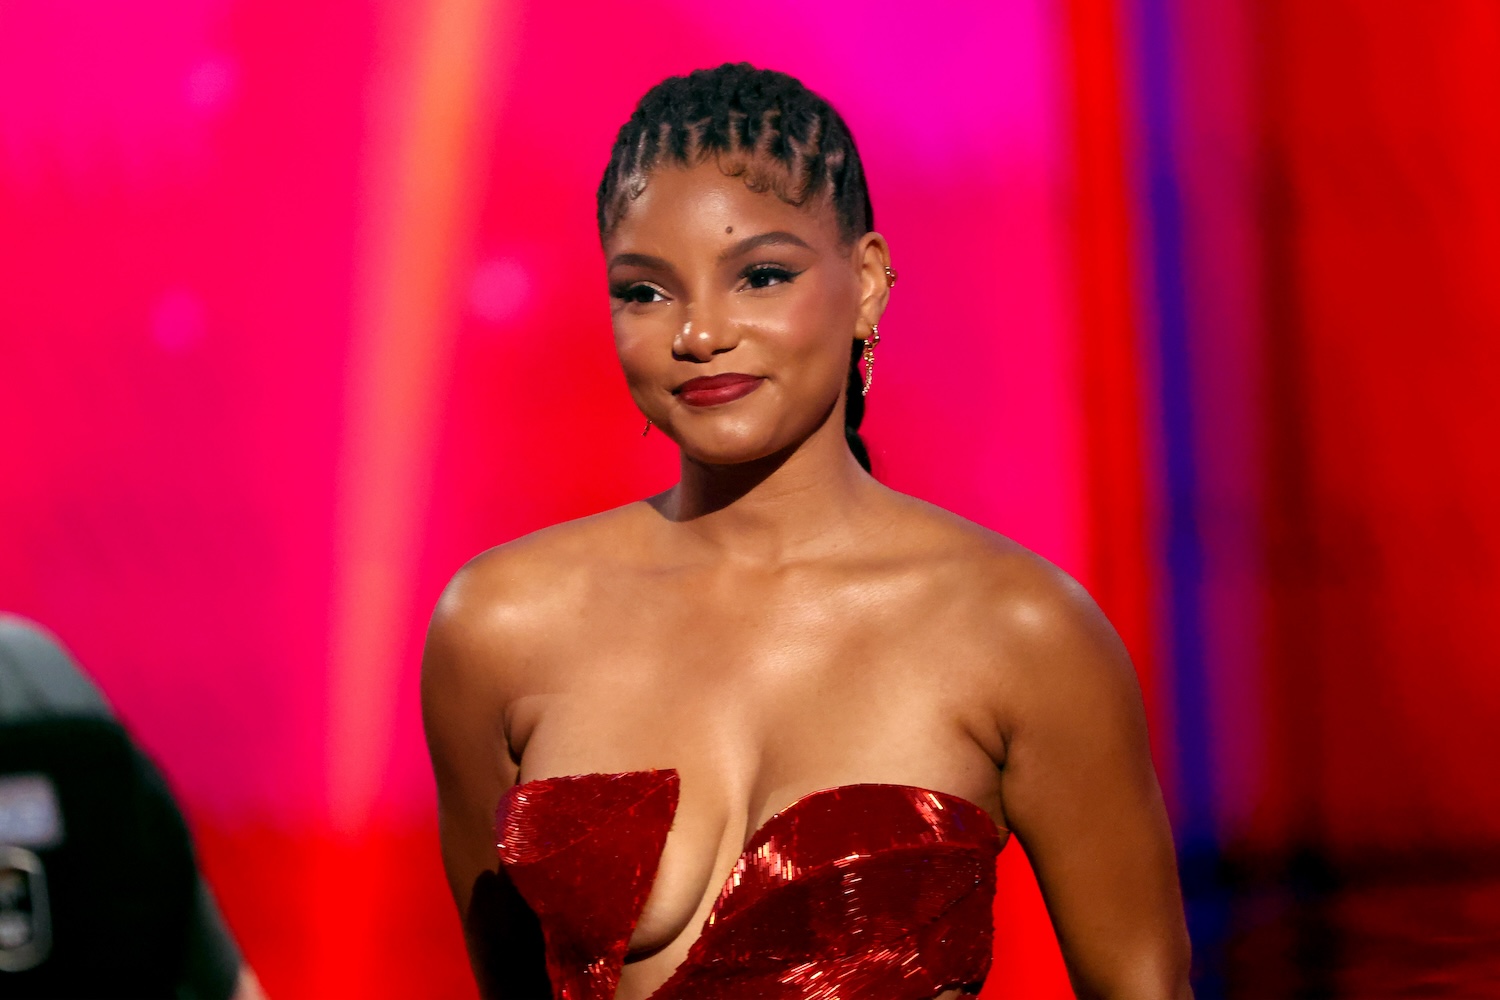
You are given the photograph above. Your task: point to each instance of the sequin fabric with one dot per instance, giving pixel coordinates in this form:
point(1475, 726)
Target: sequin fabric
point(860, 892)
point(582, 851)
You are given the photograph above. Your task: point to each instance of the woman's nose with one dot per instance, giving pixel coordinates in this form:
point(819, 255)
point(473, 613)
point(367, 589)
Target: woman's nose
point(702, 337)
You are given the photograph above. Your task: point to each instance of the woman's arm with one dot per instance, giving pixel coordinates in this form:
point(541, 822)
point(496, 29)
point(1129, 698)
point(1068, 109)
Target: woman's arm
point(464, 674)
point(1079, 790)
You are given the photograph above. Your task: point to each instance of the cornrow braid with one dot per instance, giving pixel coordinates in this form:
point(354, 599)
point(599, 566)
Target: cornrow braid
point(763, 126)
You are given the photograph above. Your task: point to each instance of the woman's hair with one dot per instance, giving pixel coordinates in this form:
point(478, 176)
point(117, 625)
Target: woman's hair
point(757, 124)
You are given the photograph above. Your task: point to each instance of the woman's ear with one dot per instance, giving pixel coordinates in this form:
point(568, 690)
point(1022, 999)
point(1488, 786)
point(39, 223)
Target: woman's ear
point(872, 258)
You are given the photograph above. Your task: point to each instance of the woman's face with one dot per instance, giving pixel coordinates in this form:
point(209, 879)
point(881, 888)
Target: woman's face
point(734, 312)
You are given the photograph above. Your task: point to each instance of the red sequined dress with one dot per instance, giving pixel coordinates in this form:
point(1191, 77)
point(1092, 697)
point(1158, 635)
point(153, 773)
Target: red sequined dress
point(860, 892)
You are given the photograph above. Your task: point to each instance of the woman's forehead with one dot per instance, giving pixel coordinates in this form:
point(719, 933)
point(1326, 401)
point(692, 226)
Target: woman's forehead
point(676, 202)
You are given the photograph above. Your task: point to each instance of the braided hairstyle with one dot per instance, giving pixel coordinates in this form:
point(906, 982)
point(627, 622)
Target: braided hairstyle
point(765, 127)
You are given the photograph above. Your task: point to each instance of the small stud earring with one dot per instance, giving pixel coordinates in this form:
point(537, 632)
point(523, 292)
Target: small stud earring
point(890, 276)
point(869, 357)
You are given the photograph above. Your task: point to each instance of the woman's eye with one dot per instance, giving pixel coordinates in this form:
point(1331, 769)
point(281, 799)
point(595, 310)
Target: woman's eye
point(639, 293)
point(767, 275)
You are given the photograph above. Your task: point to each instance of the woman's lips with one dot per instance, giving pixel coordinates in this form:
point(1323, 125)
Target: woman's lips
point(715, 389)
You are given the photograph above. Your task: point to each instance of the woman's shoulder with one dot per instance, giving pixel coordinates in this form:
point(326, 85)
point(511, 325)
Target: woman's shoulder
point(527, 585)
point(581, 541)
point(1028, 608)
point(987, 560)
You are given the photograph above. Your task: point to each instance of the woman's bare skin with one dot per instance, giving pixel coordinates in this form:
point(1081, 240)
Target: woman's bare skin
point(779, 622)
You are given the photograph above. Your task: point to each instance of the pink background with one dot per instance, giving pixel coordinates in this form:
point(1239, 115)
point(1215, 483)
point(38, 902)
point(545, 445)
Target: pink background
point(287, 291)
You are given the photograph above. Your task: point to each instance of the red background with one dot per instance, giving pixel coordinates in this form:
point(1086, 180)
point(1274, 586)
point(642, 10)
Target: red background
point(279, 284)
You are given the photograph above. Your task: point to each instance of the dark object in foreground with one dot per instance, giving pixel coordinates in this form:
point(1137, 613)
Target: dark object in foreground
point(99, 890)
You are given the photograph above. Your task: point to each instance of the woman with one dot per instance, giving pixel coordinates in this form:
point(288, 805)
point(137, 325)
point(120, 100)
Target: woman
point(689, 671)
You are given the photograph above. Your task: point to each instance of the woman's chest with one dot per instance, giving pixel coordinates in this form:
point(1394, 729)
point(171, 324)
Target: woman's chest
point(756, 696)
point(762, 641)
point(746, 744)
point(760, 682)
point(855, 884)
point(750, 713)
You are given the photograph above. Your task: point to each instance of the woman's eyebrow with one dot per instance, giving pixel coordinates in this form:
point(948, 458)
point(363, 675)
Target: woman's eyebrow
point(777, 237)
point(639, 260)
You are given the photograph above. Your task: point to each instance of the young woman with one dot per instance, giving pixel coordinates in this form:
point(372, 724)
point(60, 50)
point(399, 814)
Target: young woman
point(761, 735)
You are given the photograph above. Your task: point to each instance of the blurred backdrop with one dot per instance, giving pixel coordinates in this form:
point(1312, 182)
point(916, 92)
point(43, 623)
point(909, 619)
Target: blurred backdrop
point(293, 297)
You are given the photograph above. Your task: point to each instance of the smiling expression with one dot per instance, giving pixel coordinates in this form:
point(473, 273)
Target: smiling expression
point(734, 311)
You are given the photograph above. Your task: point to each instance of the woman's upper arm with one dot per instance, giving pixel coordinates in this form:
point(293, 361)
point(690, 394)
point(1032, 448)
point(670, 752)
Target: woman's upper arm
point(1080, 792)
point(463, 703)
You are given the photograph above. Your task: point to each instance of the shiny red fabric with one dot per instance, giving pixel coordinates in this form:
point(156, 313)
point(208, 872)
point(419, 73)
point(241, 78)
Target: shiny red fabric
point(861, 891)
point(582, 851)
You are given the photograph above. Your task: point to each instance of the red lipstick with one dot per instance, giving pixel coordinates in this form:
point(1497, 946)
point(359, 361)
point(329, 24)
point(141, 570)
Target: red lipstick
point(712, 390)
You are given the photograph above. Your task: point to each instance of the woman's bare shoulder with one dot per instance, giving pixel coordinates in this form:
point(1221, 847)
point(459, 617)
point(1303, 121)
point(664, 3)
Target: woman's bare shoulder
point(988, 560)
point(509, 597)
point(1037, 617)
point(546, 557)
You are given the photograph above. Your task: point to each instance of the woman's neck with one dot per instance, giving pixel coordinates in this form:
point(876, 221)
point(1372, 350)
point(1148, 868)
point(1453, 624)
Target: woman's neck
point(793, 505)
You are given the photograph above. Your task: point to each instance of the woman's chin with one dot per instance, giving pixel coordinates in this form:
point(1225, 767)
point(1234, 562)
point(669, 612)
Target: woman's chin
point(732, 449)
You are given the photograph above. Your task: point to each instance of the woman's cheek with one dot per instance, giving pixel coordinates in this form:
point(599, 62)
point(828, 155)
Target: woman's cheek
point(790, 324)
point(637, 348)
point(809, 337)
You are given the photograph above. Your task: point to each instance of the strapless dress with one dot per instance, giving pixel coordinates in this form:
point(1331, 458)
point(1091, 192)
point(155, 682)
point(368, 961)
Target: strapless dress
point(859, 892)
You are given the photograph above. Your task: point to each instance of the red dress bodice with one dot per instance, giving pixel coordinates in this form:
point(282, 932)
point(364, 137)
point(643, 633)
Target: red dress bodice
point(860, 891)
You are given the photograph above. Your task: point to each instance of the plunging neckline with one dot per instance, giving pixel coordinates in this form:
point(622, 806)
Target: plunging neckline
point(764, 847)
point(759, 832)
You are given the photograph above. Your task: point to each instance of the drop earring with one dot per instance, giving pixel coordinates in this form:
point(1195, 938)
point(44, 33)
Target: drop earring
point(647, 429)
point(869, 357)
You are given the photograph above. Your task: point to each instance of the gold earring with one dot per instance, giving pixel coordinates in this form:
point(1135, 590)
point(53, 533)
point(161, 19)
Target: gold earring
point(869, 357)
point(648, 427)
point(890, 276)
